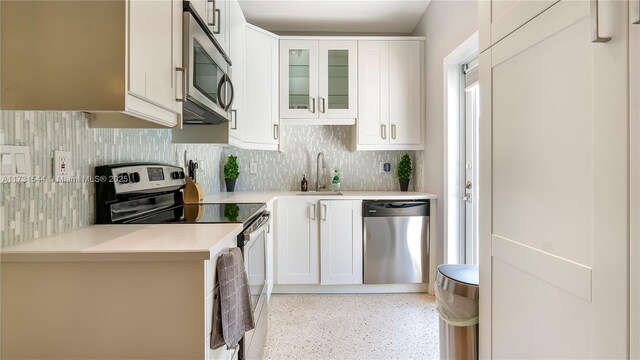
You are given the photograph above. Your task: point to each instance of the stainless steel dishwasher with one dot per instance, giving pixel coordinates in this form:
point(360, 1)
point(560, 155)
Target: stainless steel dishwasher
point(396, 242)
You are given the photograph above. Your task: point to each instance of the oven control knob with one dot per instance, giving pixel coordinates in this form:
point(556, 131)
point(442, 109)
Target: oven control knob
point(181, 175)
point(175, 175)
point(134, 177)
point(123, 178)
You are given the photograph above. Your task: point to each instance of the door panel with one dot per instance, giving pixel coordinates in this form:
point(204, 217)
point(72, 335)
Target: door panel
point(341, 241)
point(297, 242)
point(151, 63)
point(262, 72)
point(405, 102)
point(373, 92)
point(237, 124)
point(509, 15)
point(553, 178)
point(338, 76)
point(299, 79)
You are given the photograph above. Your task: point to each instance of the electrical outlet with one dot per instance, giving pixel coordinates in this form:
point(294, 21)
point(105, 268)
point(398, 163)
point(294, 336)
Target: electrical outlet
point(254, 168)
point(61, 163)
point(381, 167)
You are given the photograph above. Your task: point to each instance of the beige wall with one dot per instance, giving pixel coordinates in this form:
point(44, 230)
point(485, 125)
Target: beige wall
point(445, 24)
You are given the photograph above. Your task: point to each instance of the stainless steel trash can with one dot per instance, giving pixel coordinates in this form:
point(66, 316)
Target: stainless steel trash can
point(457, 303)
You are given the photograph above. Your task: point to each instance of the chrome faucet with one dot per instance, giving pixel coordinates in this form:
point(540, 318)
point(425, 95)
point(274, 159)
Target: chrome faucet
point(318, 185)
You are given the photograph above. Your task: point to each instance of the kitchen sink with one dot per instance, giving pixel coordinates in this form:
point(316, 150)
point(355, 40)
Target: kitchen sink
point(319, 193)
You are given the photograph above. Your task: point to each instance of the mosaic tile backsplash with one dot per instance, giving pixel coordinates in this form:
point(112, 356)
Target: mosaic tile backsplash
point(31, 210)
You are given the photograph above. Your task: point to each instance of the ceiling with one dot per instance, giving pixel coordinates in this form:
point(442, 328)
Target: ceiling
point(331, 16)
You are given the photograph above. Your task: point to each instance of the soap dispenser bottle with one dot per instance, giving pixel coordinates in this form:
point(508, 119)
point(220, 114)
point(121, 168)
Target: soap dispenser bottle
point(303, 184)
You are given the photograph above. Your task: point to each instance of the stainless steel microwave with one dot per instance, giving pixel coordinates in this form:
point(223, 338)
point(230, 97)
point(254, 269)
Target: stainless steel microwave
point(207, 72)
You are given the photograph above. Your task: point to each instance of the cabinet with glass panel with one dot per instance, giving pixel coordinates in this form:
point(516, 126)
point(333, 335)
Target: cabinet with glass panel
point(318, 81)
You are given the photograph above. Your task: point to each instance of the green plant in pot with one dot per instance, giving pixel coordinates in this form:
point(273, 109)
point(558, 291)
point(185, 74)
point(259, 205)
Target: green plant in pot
point(404, 172)
point(231, 173)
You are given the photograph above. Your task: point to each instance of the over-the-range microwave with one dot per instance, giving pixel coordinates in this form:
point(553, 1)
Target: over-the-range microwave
point(207, 73)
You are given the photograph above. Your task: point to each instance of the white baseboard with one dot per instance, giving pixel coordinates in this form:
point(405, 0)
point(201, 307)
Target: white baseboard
point(352, 289)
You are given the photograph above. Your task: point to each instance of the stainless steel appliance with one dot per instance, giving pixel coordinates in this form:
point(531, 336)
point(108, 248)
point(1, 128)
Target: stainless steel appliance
point(207, 72)
point(396, 242)
point(149, 193)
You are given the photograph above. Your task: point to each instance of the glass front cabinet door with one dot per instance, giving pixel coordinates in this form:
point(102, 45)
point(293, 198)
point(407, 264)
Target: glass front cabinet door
point(319, 81)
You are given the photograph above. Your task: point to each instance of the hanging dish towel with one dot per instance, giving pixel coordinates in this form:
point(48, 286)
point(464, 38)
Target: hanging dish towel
point(232, 315)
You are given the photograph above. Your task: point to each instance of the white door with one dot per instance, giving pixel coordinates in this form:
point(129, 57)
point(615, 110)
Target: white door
point(261, 74)
point(554, 188)
point(405, 101)
point(340, 242)
point(237, 24)
point(299, 79)
point(297, 242)
point(373, 92)
point(338, 79)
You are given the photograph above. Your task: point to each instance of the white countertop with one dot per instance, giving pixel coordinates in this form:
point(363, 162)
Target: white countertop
point(268, 196)
point(162, 242)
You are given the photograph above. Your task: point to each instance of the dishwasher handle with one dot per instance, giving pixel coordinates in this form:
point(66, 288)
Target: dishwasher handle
point(395, 208)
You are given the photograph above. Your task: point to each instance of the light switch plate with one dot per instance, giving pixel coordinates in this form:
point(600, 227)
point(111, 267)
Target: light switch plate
point(15, 163)
point(62, 163)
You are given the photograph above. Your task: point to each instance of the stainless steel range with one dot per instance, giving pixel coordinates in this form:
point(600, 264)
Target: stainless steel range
point(150, 193)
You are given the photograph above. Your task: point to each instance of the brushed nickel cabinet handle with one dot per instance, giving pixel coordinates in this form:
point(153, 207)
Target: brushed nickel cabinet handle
point(323, 212)
point(216, 22)
point(182, 96)
point(322, 105)
point(595, 24)
point(312, 212)
point(383, 131)
point(313, 105)
point(276, 131)
point(393, 131)
point(211, 19)
point(234, 117)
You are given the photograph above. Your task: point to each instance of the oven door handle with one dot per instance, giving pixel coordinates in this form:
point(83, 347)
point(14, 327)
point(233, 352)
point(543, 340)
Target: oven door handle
point(258, 227)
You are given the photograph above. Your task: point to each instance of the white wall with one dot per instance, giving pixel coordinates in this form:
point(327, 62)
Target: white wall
point(445, 24)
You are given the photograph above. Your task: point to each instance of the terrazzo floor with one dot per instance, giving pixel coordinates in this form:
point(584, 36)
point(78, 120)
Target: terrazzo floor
point(362, 326)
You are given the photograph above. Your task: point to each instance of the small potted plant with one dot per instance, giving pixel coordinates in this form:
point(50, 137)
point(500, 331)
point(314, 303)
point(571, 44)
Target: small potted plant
point(231, 173)
point(404, 172)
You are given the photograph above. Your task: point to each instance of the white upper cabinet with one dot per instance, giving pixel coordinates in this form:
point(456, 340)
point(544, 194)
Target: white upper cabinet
point(254, 114)
point(337, 79)
point(260, 117)
point(237, 54)
point(340, 242)
point(127, 74)
point(318, 81)
point(217, 14)
point(499, 18)
point(390, 93)
point(405, 95)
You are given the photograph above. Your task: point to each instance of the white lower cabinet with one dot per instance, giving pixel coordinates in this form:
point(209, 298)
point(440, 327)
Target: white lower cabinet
point(340, 242)
point(297, 242)
point(318, 242)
